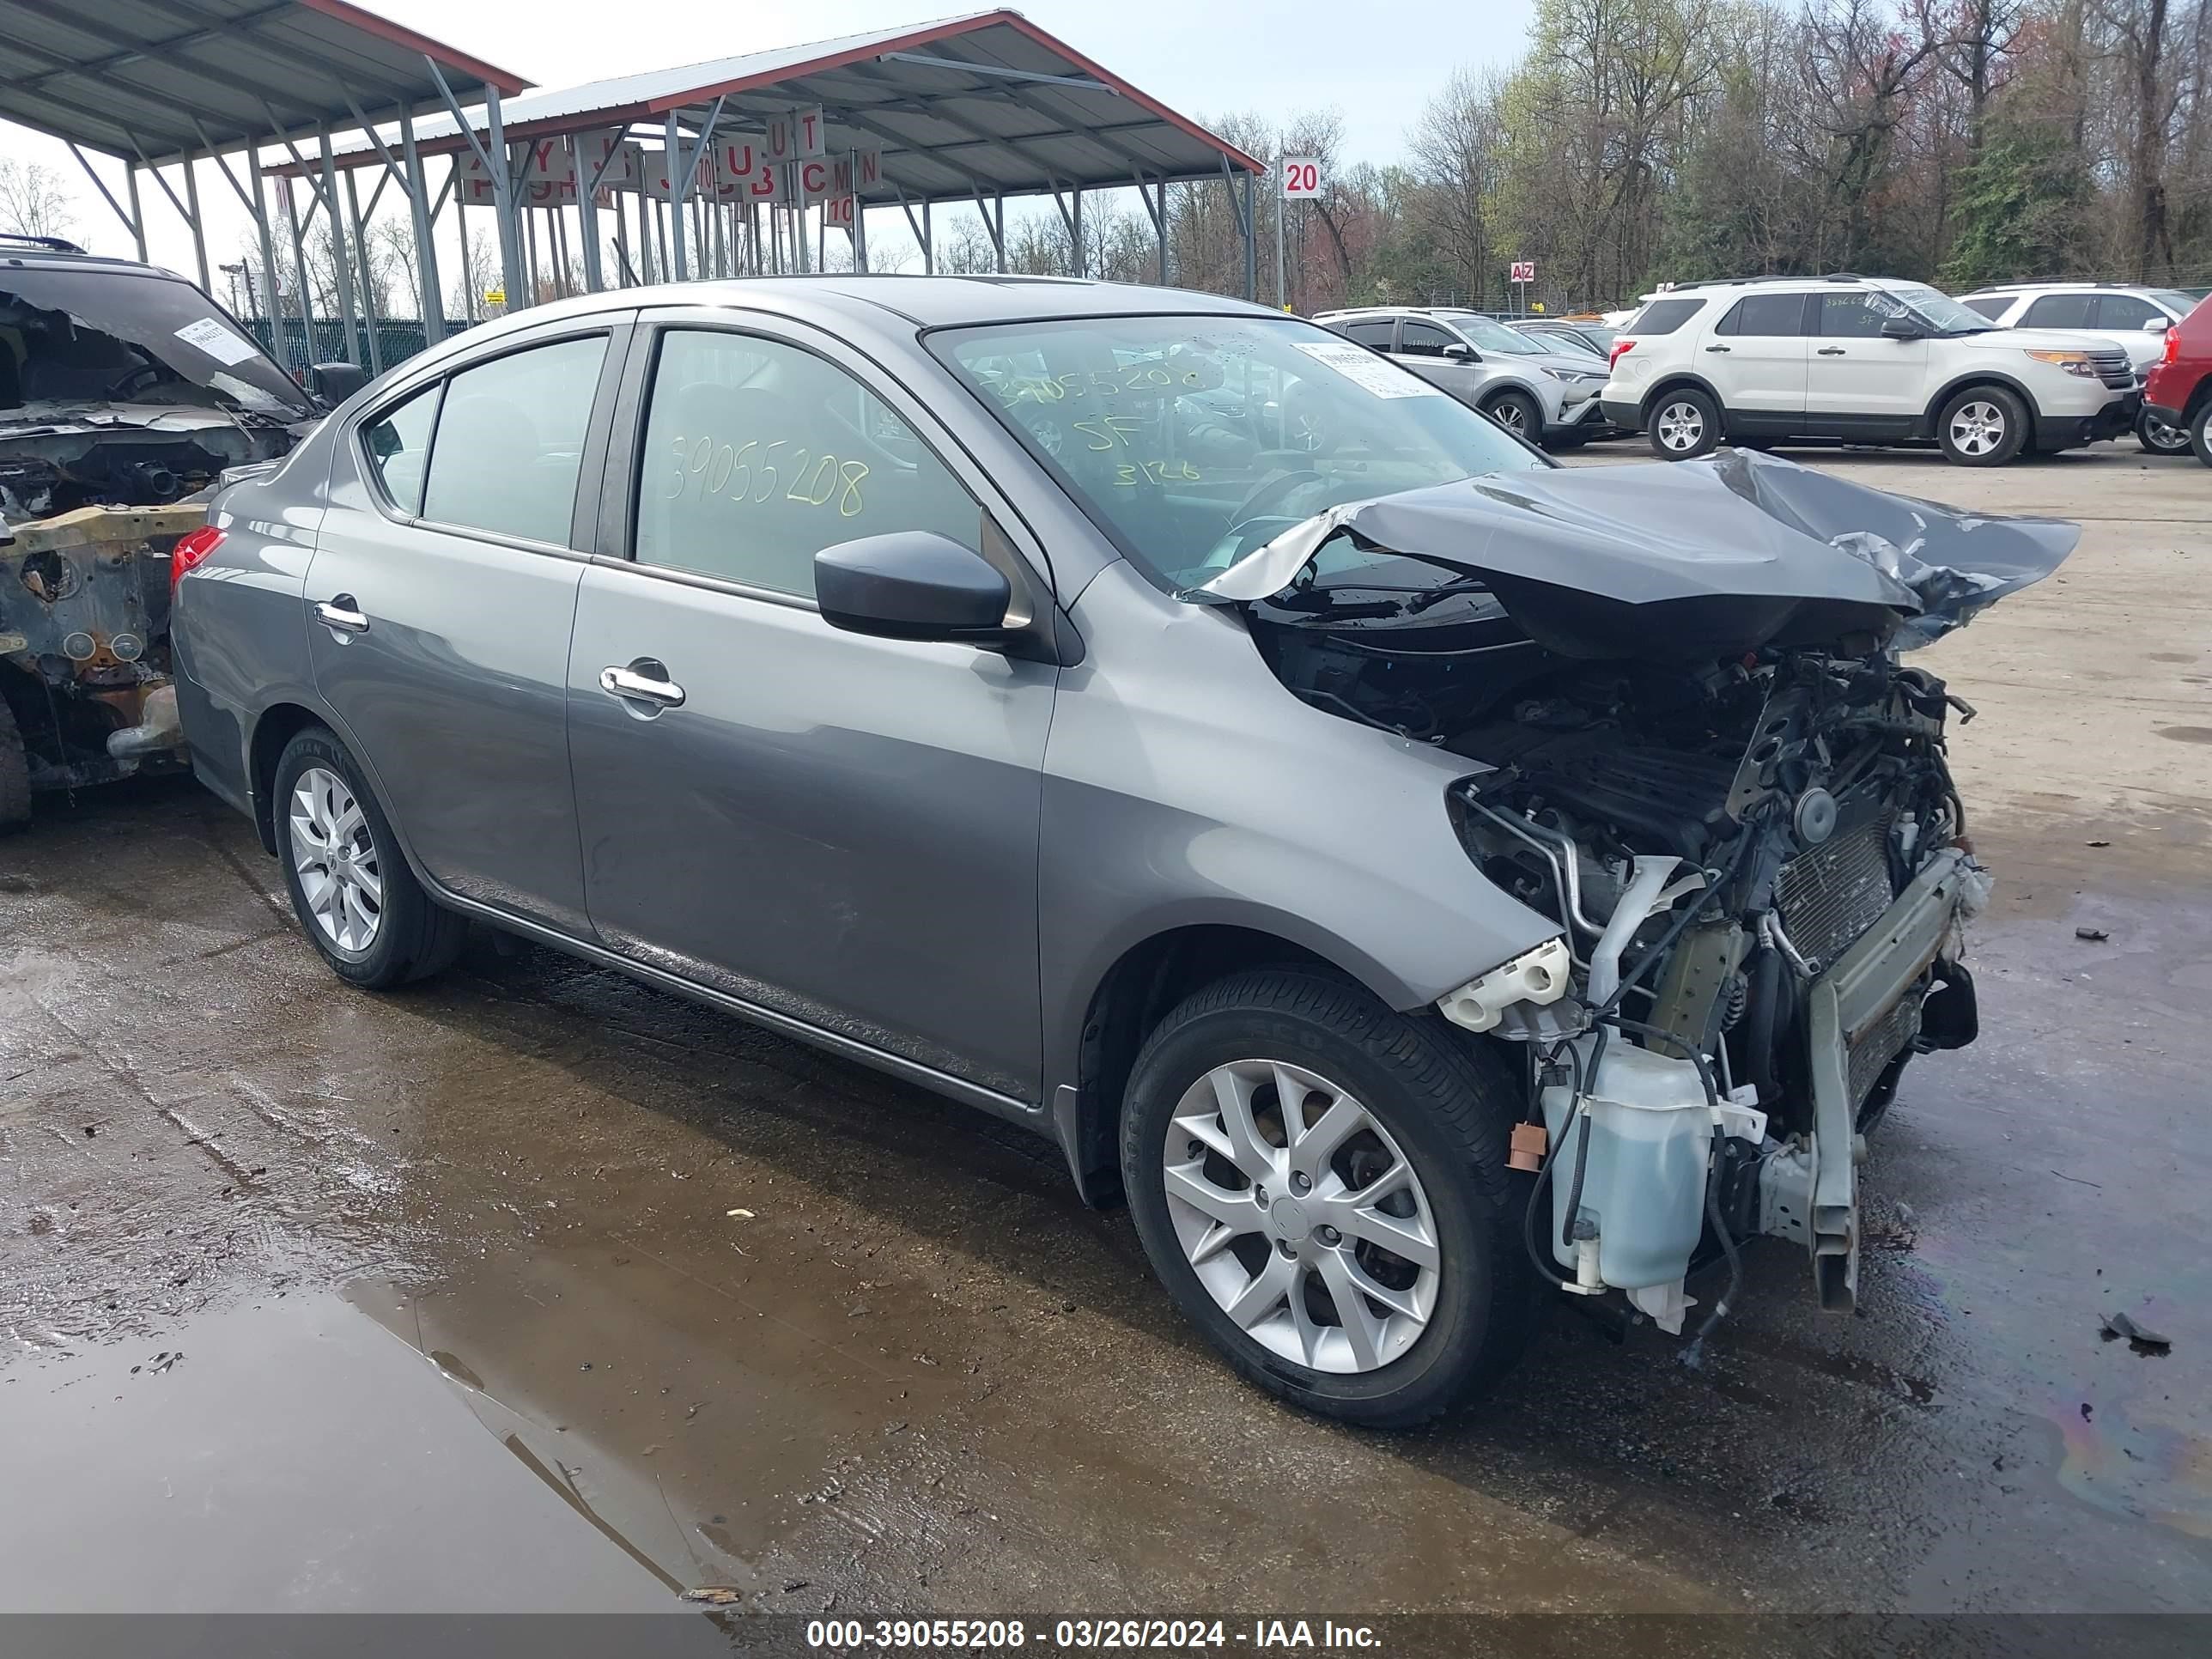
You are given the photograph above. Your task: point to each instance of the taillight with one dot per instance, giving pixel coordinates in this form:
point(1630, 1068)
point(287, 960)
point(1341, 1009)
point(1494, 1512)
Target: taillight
point(1621, 348)
point(192, 551)
point(2172, 345)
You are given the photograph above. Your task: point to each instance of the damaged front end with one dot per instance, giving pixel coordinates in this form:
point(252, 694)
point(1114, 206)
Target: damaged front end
point(1695, 747)
point(84, 642)
point(125, 395)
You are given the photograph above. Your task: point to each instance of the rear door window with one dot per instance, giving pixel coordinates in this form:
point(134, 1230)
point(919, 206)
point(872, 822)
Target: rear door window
point(1375, 331)
point(2060, 311)
point(1765, 314)
point(510, 441)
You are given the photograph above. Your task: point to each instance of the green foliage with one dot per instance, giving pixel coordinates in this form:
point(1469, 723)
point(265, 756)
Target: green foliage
point(2018, 204)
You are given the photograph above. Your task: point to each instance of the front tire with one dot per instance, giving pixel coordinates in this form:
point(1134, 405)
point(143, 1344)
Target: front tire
point(350, 885)
point(1519, 414)
point(1683, 425)
point(1983, 425)
point(1354, 1252)
point(2157, 438)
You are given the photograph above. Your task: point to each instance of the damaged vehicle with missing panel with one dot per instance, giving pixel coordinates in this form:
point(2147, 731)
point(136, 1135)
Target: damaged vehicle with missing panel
point(125, 392)
point(1421, 880)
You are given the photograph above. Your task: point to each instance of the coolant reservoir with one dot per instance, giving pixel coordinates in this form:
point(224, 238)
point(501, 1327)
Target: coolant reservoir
point(1643, 1183)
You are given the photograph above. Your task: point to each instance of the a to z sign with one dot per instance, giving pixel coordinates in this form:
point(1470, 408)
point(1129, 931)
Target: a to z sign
point(1524, 271)
point(1301, 177)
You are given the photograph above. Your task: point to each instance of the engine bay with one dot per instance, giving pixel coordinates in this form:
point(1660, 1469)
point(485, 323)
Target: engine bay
point(1717, 775)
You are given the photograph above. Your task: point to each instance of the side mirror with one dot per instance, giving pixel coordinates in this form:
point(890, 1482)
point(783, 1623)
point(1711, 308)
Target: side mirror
point(1902, 328)
point(912, 585)
point(336, 382)
point(2156, 325)
point(1460, 352)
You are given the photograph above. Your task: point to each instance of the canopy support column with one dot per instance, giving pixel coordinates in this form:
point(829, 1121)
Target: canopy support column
point(426, 252)
point(341, 252)
point(370, 310)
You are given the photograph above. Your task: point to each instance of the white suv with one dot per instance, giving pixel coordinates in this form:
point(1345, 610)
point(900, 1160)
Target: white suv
point(1858, 360)
point(2133, 317)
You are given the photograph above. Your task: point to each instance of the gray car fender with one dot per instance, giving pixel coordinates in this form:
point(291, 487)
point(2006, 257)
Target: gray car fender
point(1185, 786)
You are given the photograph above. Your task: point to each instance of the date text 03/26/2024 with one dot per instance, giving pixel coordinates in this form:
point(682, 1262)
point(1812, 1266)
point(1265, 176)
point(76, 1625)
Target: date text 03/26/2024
point(995, 1635)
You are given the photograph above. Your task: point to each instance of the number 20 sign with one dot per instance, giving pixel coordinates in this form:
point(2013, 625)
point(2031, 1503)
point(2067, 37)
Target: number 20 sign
point(1301, 178)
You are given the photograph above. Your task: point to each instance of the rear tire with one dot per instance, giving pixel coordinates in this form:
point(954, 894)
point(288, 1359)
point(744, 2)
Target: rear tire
point(1683, 425)
point(350, 885)
point(2199, 432)
point(15, 775)
point(1432, 1118)
point(1518, 413)
point(2157, 438)
point(1983, 425)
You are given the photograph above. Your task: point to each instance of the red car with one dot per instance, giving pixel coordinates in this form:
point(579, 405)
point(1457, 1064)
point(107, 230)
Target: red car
point(2179, 389)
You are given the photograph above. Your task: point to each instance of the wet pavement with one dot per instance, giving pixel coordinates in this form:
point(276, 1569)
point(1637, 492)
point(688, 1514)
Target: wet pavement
point(532, 1288)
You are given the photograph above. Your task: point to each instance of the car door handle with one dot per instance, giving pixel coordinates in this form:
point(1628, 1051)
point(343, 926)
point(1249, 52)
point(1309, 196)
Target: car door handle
point(1832, 351)
point(338, 612)
point(1716, 347)
point(632, 685)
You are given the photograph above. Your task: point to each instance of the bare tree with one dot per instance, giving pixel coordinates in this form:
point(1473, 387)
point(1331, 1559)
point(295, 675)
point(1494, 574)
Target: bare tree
point(35, 199)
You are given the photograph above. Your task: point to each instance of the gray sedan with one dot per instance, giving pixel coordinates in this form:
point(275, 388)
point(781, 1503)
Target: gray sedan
point(1406, 878)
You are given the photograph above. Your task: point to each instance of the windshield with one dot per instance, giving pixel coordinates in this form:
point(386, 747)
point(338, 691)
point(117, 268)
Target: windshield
point(1487, 334)
point(2171, 299)
point(1190, 440)
point(123, 337)
point(1939, 311)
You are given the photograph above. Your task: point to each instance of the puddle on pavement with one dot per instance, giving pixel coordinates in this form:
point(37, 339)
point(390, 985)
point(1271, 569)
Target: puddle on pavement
point(284, 1456)
point(691, 1424)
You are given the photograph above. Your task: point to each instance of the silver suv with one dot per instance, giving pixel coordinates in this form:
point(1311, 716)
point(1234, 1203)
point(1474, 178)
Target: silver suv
point(1533, 391)
point(1412, 874)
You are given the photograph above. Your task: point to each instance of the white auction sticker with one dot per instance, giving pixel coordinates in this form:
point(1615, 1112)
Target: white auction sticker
point(1369, 373)
point(223, 344)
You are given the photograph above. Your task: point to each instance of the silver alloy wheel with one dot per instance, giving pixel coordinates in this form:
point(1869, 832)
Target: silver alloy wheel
point(1978, 427)
point(335, 859)
point(1680, 427)
point(1301, 1215)
point(2166, 439)
point(1510, 415)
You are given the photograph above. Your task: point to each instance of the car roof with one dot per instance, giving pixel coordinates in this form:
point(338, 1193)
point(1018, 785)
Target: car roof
point(2064, 288)
point(925, 302)
point(27, 255)
point(1749, 284)
point(1398, 311)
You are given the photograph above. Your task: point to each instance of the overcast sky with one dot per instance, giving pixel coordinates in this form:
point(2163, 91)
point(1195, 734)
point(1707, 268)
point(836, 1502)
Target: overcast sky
point(1201, 59)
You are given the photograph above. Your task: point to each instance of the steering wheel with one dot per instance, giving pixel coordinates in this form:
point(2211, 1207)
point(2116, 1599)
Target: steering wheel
point(1249, 527)
point(128, 381)
point(1265, 493)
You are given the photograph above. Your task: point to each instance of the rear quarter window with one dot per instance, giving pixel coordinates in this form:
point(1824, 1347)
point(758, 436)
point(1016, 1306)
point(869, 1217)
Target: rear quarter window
point(1662, 317)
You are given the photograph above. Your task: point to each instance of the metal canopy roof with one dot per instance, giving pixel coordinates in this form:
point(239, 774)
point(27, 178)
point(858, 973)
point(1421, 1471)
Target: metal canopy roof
point(158, 80)
point(987, 102)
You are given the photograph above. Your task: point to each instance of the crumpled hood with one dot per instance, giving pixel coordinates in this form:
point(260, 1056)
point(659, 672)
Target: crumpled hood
point(54, 419)
point(1688, 559)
